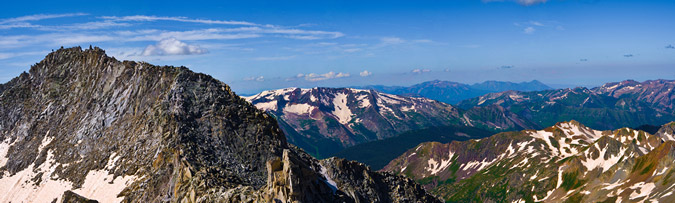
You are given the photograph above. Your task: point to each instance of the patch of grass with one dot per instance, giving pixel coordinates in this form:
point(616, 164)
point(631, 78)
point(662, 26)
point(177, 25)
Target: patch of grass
point(570, 181)
point(575, 198)
point(666, 178)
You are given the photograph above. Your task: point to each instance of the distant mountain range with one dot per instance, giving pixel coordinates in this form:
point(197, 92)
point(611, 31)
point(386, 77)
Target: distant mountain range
point(611, 106)
point(567, 162)
point(324, 121)
point(453, 92)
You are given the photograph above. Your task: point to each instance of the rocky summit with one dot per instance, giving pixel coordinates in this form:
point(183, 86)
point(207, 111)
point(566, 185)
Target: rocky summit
point(567, 162)
point(82, 126)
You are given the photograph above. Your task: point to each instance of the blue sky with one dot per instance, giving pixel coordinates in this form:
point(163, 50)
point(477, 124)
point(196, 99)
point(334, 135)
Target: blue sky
point(254, 46)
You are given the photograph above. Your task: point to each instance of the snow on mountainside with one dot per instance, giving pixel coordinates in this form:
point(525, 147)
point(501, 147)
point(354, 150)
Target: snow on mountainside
point(567, 161)
point(611, 106)
point(325, 120)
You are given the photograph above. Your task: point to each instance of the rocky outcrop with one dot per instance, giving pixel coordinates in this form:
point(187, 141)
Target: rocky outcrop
point(71, 197)
point(114, 130)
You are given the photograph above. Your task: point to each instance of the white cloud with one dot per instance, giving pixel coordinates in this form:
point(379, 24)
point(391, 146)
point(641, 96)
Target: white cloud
point(531, 2)
point(202, 34)
point(96, 25)
point(529, 30)
point(177, 18)
point(318, 77)
point(252, 27)
point(17, 54)
point(39, 17)
point(259, 79)
point(171, 46)
point(418, 71)
point(521, 2)
point(423, 41)
point(537, 23)
point(391, 40)
point(18, 25)
point(365, 73)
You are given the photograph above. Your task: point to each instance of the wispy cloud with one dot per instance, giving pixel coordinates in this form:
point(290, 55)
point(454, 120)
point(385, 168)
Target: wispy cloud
point(85, 33)
point(175, 18)
point(259, 78)
point(365, 73)
point(391, 40)
point(530, 27)
point(201, 34)
point(423, 41)
point(17, 54)
point(96, 25)
point(39, 17)
point(521, 2)
point(313, 77)
point(172, 46)
point(418, 70)
point(529, 30)
point(537, 23)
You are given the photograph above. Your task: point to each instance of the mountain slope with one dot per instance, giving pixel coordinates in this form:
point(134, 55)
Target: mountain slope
point(81, 124)
point(324, 121)
point(608, 107)
point(565, 162)
point(453, 92)
point(377, 154)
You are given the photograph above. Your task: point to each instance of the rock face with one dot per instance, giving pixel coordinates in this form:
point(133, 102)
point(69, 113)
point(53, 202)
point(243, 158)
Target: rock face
point(611, 106)
point(323, 121)
point(565, 162)
point(127, 131)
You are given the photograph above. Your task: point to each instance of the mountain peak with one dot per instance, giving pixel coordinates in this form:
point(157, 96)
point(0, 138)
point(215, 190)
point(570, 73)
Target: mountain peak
point(124, 131)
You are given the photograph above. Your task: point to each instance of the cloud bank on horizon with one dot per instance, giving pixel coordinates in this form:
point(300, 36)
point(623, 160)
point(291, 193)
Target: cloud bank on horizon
point(369, 43)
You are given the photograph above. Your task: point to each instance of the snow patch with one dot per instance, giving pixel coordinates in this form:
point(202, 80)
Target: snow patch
point(329, 181)
point(299, 109)
point(4, 148)
point(364, 102)
point(267, 106)
point(641, 190)
point(342, 112)
point(435, 167)
point(406, 108)
point(99, 184)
